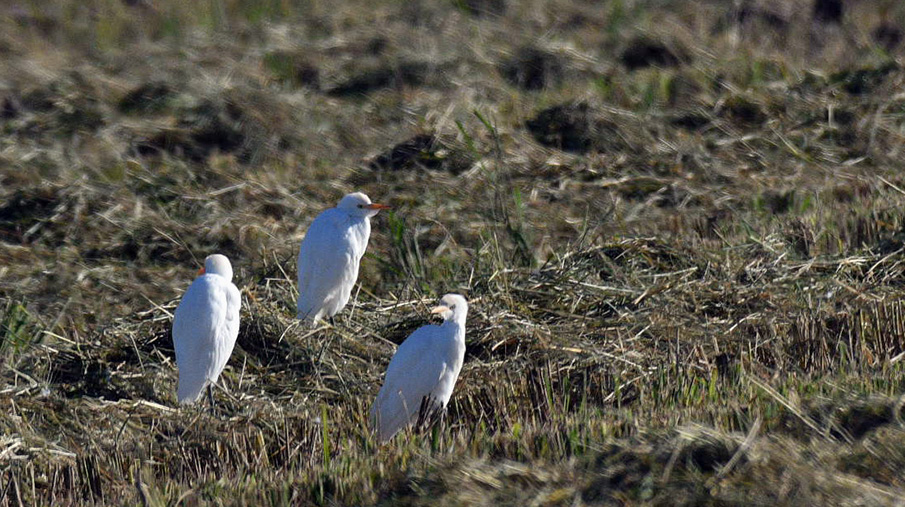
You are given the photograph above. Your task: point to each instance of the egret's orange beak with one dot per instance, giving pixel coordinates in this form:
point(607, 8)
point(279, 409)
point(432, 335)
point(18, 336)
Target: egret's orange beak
point(440, 309)
point(200, 271)
point(377, 206)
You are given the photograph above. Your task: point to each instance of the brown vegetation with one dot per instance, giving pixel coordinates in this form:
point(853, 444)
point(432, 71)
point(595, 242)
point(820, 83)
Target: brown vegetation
point(680, 229)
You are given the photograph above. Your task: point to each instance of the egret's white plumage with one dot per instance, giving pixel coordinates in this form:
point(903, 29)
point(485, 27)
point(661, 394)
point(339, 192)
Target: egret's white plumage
point(330, 254)
point(427, 364)
point(205, 327)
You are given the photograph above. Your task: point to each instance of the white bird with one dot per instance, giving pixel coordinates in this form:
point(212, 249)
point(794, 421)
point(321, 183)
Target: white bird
point(423, 370)
point(205, 327)
point(330, 254)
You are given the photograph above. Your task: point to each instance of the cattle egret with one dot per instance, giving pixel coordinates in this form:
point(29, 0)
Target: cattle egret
point(423, 370)
point(330, 254)
point(205, 328)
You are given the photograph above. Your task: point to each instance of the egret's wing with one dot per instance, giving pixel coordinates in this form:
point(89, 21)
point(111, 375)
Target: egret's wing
point(227, 329)
point(325, 263)
point(413, 373)
point(195, 330)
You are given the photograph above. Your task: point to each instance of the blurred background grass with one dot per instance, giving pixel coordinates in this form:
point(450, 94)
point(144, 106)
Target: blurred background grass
point(679, 225)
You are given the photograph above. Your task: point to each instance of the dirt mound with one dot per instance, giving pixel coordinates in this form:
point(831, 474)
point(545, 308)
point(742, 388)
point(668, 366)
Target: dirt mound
point(828, 11)
point(742, 110)
point(887, 36)
point(575, 127)
point(425, 151)
point(209, 127)
point(393, 75)
point(864, 80)
point(532, 68)
point(151, 97)
point(644, 52)
point(482, 8)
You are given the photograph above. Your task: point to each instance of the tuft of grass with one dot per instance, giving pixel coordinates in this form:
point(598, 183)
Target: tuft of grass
point(18, 331)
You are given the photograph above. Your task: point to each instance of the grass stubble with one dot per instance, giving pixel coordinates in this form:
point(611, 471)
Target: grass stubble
point(679, 227)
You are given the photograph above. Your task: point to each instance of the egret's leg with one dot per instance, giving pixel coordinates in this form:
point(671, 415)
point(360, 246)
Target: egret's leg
point(332, 321)
point(210, 397)
point(426, 414)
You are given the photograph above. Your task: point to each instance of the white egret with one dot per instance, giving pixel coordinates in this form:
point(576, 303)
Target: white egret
point(423, 370)
point(205, 327)
point(330, 254)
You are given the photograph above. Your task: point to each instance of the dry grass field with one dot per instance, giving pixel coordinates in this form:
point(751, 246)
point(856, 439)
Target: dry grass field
point(680, 227)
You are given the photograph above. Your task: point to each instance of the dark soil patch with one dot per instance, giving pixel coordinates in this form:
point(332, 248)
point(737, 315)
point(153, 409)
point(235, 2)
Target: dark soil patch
point(828, 11)
point(10, 109)
point(67, 106)
point(664, 194)
point(78, 376)
point(422, 151)
point(145, 245)
point(376, 45)
point(647, 255)
point(707, 455)
point(800, 238)
point(293, 69)
point(259, 339)
point(148, 98)
point(887, 36)
point(39, 99)
point(157, 339)
point(743, 111)
point(273, 207)
point(862, 81)
point(748, 14)
point(777, 202)
point(889, 245)
point(575, 127)
point(843, 131)
point(24, 211)
point(691, 120)
point(843, 117)
point(859, 420)
point(398, 331)
point(709, 225)
point(81, 114)
point(43, 23)
point(642, 52)
point(482, 8)
point(619, 471)
point(398, 75)
point(531, 68)
point(208, 128)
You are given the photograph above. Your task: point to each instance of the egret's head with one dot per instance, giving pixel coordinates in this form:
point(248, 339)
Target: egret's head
point(452, 306)
point(217, 264)
point(358, 204)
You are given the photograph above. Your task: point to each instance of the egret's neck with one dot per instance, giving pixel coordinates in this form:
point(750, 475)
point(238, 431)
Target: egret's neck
point(356, 218)
point(459, 316)
point(361, 224)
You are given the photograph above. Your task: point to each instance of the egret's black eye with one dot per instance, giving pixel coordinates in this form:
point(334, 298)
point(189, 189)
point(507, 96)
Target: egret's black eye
point(361, 205)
